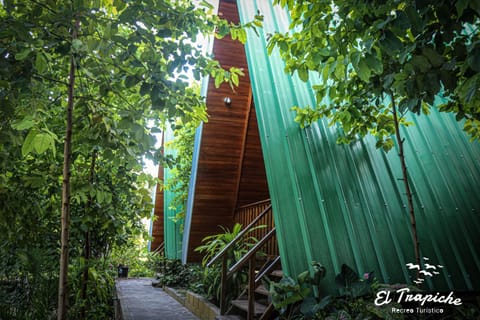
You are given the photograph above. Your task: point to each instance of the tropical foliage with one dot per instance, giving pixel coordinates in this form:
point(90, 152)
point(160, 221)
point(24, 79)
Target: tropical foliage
point(370, 54)
point(98, 77)
point(180, 153)
point(213, 245)
point(173, 273)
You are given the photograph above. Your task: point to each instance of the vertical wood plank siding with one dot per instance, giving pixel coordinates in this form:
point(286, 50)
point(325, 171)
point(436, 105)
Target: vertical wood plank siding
point(229, 154)
point(245, 214)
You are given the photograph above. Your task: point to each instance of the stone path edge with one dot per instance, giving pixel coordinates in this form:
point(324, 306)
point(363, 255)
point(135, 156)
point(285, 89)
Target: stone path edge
point(197, 304)
point(123, 307)
point(173, 293)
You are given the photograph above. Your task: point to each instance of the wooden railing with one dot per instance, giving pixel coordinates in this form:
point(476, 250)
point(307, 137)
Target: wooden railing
point(160, 249)
point(249, 258)
point(246, 214)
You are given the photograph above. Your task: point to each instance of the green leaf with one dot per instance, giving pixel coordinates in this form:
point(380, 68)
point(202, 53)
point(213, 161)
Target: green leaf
point(401, 23)
point(416, 22)
point(119, 4)
point(325, 72)
point(303, 277)
point(460, 116)
point(28, 144)
point(131, 81)
point(407, 104)
point(22, 55)
point(391, 43)
point(363, 70)
point(41, 63)
point(42, 142)
point(346, 277)
point(307, 308)
point(235, 79)
point(206, 4)
point(374, 64)
point(421, 62)
point(461, 5)
point(475, 5)
point(433, 57)
point(25, 123)
point(145, 88)
point(234, 34)
point(468, 89)
point(303, 73)
point(474, 59)
point(218, 79)
point(340, 68)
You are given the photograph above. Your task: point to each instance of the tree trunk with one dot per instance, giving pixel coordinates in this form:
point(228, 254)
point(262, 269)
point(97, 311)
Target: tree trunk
point(65, 218)
point(406, 183)
point(86, 249)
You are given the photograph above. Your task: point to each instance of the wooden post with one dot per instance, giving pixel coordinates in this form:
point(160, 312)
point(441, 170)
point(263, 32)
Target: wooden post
point(251, 288)
point(223, 288)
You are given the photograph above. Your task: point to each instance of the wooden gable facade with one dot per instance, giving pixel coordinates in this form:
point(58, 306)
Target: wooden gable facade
point(230, 171)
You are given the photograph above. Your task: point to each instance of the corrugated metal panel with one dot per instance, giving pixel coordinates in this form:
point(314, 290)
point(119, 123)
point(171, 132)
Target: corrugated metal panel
point(344, 204)
point(173, 234)
point(191, 190)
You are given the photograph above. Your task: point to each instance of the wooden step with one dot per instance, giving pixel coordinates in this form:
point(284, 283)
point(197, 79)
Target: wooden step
point(277, 273)
point(243, 305)
point(261, 289)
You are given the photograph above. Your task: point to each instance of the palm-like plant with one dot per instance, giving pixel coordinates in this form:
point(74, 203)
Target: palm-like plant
point(212, 246)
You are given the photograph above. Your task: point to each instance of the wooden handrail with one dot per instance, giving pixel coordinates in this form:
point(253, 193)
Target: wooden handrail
point(267, 270)
point(239, 236)
point(250, 258)
point(245, 214)
point(255, 204)
point(160, 248)
point(252, 283)
point(240, 263)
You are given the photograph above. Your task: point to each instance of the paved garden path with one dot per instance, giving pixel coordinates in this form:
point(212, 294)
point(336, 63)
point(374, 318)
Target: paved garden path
point(140, 301)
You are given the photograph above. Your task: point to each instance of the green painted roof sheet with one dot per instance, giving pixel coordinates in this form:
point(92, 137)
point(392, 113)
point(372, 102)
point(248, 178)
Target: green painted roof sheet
point(172, 233)
point(340, 204)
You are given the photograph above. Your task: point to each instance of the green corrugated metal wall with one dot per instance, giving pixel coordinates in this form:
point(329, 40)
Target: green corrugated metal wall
point(344, 204)
point(173, 236)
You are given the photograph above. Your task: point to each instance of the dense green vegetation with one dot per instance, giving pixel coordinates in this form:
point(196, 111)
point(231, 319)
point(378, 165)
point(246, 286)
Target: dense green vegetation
point(179, 151)
point(372, 53)
point(98, 79)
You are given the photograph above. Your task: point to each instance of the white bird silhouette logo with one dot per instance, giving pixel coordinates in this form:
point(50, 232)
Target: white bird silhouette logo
point(426, 273)
point(413, 266)
point(428, 270)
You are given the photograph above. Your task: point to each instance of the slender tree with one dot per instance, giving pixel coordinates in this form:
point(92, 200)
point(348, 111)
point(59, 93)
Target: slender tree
point(67, 161)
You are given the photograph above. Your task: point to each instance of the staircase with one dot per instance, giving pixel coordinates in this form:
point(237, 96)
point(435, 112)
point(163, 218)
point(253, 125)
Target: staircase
point(254, 302)
point(262, 308)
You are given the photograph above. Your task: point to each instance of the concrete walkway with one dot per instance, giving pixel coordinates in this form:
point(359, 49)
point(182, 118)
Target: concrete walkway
point(138, 300)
